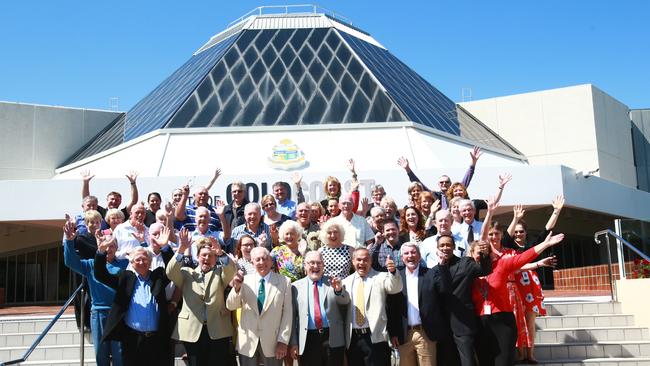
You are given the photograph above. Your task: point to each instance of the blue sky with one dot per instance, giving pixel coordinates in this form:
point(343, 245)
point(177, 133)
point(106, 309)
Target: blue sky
point(81, 53)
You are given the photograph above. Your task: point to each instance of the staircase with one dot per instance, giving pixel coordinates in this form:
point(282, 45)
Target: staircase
point(590, 333)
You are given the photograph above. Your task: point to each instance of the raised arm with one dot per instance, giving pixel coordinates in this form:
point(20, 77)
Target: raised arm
point(219, 208)
point(180, 207)
point(70, 256)
point(492, 204)
point(404, 164)
point(474, 155)
point(86, 176)
point(503, 180)
point(217, 174)
point(520, 260)
point(132, 177)
point(517, 214)
point(558, 204)
point(101, 273)
point(173, 268)
point(297, 179)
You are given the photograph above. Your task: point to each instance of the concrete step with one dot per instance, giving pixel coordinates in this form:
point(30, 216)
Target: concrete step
point(639, 361)
point(75, 362)
point(42, 352)
point(584, 321)
point(585, 350)
point(65, 337)
point(35, 324)
point(582, 308)
point(595, 334)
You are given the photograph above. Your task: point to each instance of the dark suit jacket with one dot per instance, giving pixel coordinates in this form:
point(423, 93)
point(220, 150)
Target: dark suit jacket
point(432, 283)
point(124, 284)
point(458, 306)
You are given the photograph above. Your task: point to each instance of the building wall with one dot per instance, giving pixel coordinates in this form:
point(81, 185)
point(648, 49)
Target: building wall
point(36, 139)
point(580, 127)
point(640, 137)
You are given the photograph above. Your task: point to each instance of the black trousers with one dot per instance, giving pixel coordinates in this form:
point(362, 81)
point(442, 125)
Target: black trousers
point(497, 339)
point(363, 352)
point(318, 352)
point(145, 349)
point(207, 351)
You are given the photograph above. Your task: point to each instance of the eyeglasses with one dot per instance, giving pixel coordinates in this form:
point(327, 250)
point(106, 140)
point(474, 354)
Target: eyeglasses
point(446, 182)
point(236, 191)
point(315, 263)
point(268, 205)
point(519, 231)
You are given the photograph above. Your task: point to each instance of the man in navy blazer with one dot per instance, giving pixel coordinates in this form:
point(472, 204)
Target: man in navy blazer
point(415, 318)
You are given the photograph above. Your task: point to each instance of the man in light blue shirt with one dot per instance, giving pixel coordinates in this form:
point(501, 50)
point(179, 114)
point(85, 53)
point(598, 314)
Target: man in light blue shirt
point(429, 247)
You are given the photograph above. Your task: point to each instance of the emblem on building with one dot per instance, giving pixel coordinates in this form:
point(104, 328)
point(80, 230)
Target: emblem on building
point(287, 156)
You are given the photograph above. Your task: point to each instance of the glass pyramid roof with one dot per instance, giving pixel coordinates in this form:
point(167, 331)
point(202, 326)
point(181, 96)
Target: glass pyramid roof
point(289, 69)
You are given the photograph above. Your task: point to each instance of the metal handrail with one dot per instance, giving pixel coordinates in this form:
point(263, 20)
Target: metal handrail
point(47, 329)
point(306, 8)
point(621, 260)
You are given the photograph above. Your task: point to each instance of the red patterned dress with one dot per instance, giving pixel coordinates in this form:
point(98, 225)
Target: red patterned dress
point(518, 308)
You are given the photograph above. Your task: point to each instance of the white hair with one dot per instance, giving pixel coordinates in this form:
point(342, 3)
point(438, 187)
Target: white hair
point(288, 225)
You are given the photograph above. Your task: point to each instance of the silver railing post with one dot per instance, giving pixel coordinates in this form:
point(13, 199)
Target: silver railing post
point(83, 320)
point(619, 250)
point(612, 285)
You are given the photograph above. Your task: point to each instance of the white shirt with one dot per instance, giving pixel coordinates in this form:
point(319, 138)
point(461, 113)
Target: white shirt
point(413, 307)
point(366, 288)
point(126, 242)
point(357, 230)
point(256, 287)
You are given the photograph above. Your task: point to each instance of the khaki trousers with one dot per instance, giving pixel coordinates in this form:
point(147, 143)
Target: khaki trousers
point(418, 350)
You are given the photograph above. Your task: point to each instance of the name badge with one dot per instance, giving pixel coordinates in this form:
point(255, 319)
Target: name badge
point(487, 309)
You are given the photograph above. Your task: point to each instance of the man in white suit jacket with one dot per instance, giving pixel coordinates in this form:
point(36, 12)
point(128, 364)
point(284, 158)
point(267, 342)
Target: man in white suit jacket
point(266, 317)
point(367, 341)
point(318, 335)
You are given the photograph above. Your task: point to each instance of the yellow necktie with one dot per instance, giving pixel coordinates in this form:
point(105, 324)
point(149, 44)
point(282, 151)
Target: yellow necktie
point(359, 304)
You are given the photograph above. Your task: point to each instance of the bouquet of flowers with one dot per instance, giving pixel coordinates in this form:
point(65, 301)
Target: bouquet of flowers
point(641, 268)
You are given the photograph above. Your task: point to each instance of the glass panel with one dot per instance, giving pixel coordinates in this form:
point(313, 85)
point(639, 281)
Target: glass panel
point(348, 86)
point(286, 87)
point(231, 56)
point(205, 89)
point(219, 72)
point(210, 109)
point(269, 56)
point(250, 56)
point(263, 39)
point(229, 112)
point(338, 107)
point(325, 55)
point(297, 70)
point(380, 108)
point(368, 85)
point(246, 38)
point(336, 69)
point(315, 110)
point(307, 87)
point(245, 89)
point(257, 72)
point(293, 111)
point(358, 108)
point(299, 38)
point(281, 38)
point(332, 40)
point(266, 87)
point(317, 37)
point(287, 56)
point(225, 89)
point(238, 72)
point(316, 70)
point(355, 69)
point(277, 70)
point(343, 54)
point(395, 115)
point(306, 55)
point(327, 86)
point(250, 113)
point(185, 113)
point(272, 110)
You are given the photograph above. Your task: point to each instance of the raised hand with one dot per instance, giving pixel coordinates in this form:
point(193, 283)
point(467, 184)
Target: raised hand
point(219, 207)
point(443, 258)
point(69, 229)
point(435, 206)
point(350, 165)
point(558, 203)
point(186, 190)
point(484, 247)
point(492, 204)
point(518, 211)
point(553, 239)
point(379, 238)
point(86, 175)
point(185, 237)
point(548, 262)
point(103, 241)
point(163, 238)
point(261, 240)
point(238, 280)
point(354, 186)
point(504, 179)
point(403, 163)
point(139, 236)
point(132, 176)
point(390, 264)
point(365, 203)
point(335, 282)
point(169, 209)
point(217, 173)
point(297, 178)
point(475, 154)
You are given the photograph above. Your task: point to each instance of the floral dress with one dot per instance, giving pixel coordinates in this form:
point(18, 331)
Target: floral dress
point(523, 337)
point(288, 263)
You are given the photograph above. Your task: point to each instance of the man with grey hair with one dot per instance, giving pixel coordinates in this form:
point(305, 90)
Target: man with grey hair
point(415, 321)
point(318, 334)
point(377, 219)
point(429, 247)
point(186, 214)
point(138, 317)
point(470, 228)
point(266, 316)
point(253, 226)
point(357, 231)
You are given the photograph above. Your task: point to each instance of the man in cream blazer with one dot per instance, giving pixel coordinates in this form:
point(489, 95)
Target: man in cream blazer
point(266, 316)
point(318, 334)
point(367, 341)
point(204, 324)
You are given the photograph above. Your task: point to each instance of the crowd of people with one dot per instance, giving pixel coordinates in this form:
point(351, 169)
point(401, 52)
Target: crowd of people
point(346, 280)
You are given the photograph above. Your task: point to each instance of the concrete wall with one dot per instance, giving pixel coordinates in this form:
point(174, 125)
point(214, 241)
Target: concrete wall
point(641, 137)
point(633, 295)
point(37, 139)
point(580, 127)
